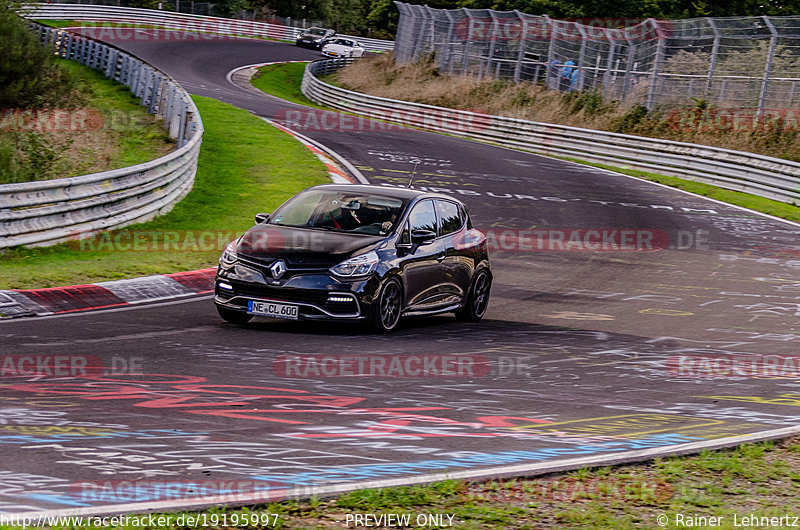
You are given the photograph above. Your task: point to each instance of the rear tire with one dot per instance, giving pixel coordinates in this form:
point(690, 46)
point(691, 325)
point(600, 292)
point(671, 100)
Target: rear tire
point(477, 299)
point(389, 306)
point(234, 317)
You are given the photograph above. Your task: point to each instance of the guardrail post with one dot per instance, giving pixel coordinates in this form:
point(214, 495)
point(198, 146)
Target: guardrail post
point(125, 71)
point(773, 41)
point(63, 48)
point(182, 123)
point(111, 65)
point(154, 93)
point(71, 47)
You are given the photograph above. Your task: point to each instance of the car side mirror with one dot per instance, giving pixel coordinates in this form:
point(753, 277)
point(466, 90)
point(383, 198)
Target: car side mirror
point(420, 237)
point(262, 218)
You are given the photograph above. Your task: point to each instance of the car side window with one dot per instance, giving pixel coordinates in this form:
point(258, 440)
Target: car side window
point(449, 217)
point(423, 217)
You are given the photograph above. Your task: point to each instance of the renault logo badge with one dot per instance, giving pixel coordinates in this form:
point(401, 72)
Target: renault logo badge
point(277, 269)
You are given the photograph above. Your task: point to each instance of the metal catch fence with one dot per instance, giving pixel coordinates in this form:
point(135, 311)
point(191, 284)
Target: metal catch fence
point(736, 62)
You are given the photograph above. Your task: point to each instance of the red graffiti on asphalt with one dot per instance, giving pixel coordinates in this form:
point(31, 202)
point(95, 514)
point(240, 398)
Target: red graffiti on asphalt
point(196, 395)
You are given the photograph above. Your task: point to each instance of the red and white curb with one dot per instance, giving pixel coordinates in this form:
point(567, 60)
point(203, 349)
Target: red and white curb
point(101, 295)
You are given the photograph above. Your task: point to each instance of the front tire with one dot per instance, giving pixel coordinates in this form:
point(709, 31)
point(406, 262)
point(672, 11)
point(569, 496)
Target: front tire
point(389, 306)
point(234, 317)
point(477, 299)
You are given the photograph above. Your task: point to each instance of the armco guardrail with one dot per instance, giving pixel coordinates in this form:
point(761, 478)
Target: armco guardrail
point(179, 22)
point(51, 211)
point(765, 176)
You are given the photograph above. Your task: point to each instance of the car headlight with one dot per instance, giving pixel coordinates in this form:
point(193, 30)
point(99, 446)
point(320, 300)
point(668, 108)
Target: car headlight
point(358, 266)
point(229, 255)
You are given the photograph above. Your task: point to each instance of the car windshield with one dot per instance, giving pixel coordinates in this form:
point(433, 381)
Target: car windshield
point(357, 213)
point(316, 31)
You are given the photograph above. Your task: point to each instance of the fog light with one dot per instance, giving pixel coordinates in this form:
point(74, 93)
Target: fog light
point(226, 286)
point(339, 298)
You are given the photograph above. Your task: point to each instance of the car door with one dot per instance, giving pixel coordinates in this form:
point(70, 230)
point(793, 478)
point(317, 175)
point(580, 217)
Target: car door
point(457, 264)
point(421, 265)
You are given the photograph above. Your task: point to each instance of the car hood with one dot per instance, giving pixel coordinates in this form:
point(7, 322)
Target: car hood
point(301, 247)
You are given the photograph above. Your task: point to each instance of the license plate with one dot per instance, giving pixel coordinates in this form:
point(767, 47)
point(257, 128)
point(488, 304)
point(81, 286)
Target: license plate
point(272, 309)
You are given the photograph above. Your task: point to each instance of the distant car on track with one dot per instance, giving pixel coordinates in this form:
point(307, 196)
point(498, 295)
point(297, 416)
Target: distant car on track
point(340, 47)
point(357, 253)
point(314, 37)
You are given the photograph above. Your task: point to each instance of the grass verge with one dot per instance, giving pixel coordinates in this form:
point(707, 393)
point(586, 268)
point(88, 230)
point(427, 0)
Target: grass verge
point(246, 166)
point(283, 81)
point(736, 487)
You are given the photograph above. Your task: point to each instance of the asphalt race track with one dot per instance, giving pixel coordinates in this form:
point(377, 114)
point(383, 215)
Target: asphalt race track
point(583, 356)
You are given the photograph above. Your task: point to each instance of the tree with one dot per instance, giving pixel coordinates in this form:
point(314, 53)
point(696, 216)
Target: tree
point(29, 77)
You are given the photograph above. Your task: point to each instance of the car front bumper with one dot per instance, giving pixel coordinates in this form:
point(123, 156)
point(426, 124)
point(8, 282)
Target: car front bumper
point(319, 296)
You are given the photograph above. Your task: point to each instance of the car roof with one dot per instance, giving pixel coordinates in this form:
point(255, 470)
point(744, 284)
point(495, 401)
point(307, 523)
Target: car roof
point(388, 191)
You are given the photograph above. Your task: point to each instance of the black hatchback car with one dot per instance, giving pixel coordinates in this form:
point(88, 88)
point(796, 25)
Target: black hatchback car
point(314, 37)
point(359, 253)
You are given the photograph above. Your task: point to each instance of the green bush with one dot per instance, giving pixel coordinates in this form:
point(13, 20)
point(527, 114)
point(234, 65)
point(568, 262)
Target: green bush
point(28, 76)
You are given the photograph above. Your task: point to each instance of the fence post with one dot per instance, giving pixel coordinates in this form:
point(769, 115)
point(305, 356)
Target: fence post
point(522, 40)
point(612, 48)
point(419, 39)
point(581, 56)
point(450, 58)
point(628, 65)
point(773, 41)
point(656, 63)
point(714, 53)
point(493, 39)
point(471, 30)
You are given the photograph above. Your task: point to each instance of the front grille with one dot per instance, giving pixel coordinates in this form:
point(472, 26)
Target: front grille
point(306, 296)
point(291, 269)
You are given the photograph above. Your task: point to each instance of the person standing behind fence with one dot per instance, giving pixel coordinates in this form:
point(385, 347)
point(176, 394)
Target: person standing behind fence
point(566, 72)
point(576, 79)
point(553, 74)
